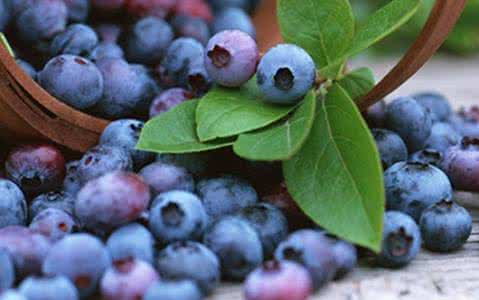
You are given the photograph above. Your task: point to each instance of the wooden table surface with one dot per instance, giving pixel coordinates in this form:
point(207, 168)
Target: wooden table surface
point(431, 276)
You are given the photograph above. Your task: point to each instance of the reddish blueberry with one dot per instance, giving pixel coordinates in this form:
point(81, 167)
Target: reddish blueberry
point(168, 99)
point(167, 177)
point(159, 8)
point(194, 8)
point(53, 223)
point(461, 164)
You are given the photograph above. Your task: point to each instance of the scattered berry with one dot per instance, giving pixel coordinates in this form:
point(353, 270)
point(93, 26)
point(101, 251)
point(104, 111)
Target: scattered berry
point(461, 164)
point(390, 146)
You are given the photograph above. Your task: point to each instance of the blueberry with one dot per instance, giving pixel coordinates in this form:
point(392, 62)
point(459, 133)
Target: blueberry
point(427, 156)
point(72, 182)
point(410, 120)
point(167, 177)
point(58, 200)
point(269, 222)
point(445, 226)
point(102, 160)
point(401, 240)
point(124, 89)
point(390, 146)
point(36, 168)
point(346, 257)
point(111, 201)
point(40, 20)
point(443, 136)
point(197, 164)
point(13, 206)
point(285, 74)
point(159, 8)
point(225, 195)
point(150, 88)
point(173, 290)
point(177, 216)
point(313, 250)
point(127, 280)
point(5, 14)
point(131, 241)
point(125, 133)
point(278, 280)
point(184, 63)
point(233, 19)
point(72, 79)
point(106, 50)
point(466, 123)
point(237, 245)
point(186, 26)
point(7, 271)
point(48, 288)
point(461, 164)
point(77, 39)
point(148, 40)
point(168, 99)
point(54, 223)
point(80, 257)
point(78, 10)
point(412, 187)
point(231, 58)
point(376, 115)
point(194, 8)
point(437, 104)
point(190, 260)
point(108, 32)
point(26, 248)
point(27, 68)
point(12, 295)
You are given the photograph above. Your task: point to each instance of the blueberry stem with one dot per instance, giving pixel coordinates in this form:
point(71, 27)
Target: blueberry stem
point(6, 44)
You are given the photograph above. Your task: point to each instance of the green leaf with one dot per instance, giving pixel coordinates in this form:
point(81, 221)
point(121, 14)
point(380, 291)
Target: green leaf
point(225, 112)
point(175, 132)
point(282, 141)
point(382, 23)
point(336, 178)
point(358, 83)
point(324, 28)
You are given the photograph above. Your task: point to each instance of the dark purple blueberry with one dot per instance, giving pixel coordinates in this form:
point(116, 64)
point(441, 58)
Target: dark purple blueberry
point(278, 280)
point(72, 182)
point(148, 40)
point(443, 136)
point(193, 27)
point(27, 68)
point(233, 19)
point(285, 74)
point(7, 271)
point(177, 216)
point(125, 133)
point(12, 295)
point(131, 241)
point(59, 200)
point(427, 156)
point(36, 168)
point(167, 177)
point(26, 248)
point(173, 290)
point(401, 240)
point(106, 50)
point(72, 79)
point(140, 8)
point(54, 223)
point(190, 260)
point(77, 39)
point(237, 245)
point(437, 104)
point(410, 120)
point(461, 164)
point(445, 226)
point(346, 257)
point(127, 280)
point(225, 195)
point(168, 99)
point(314, 251)
point(184, 63)
point(269, 222)
point(80, 257)
point(78, 10)
point(108, 32)
point(41, 20)
point(197, 164)
point(13, 206)
point(111, 201)
point(231, 58)
point(376, 115)
point(412, 187)
point(48, 288)
point(102, 160)
point(390, 146)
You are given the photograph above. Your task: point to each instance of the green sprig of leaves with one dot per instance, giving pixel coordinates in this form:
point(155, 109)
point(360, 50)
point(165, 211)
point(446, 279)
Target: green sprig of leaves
point(330, 162)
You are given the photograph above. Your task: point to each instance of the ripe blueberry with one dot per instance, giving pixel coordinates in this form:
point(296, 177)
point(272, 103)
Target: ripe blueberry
point(443, 136)
point(159, 8)
point(108, 32)
point(48, 288)
point(461, 164)
point(233, 19)
point(198, 9)
point(193, 27)
point(376, 115)
point(78, 10)
point(13, 206)
point(173, 290)
point(427, 156)
point(437, 104)
point(58, 200)
point(77, 39)
point(54, 223)
point(390, 146)
point(12, 295)
point(131, 241)
point(27, 68)
point(198, 164)
point(168, 99)
point(106, 50)
point(7, 271)
point(167, 177)
point(72, 182)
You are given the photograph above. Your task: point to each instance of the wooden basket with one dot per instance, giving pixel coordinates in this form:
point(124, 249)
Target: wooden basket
point(27, 112)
